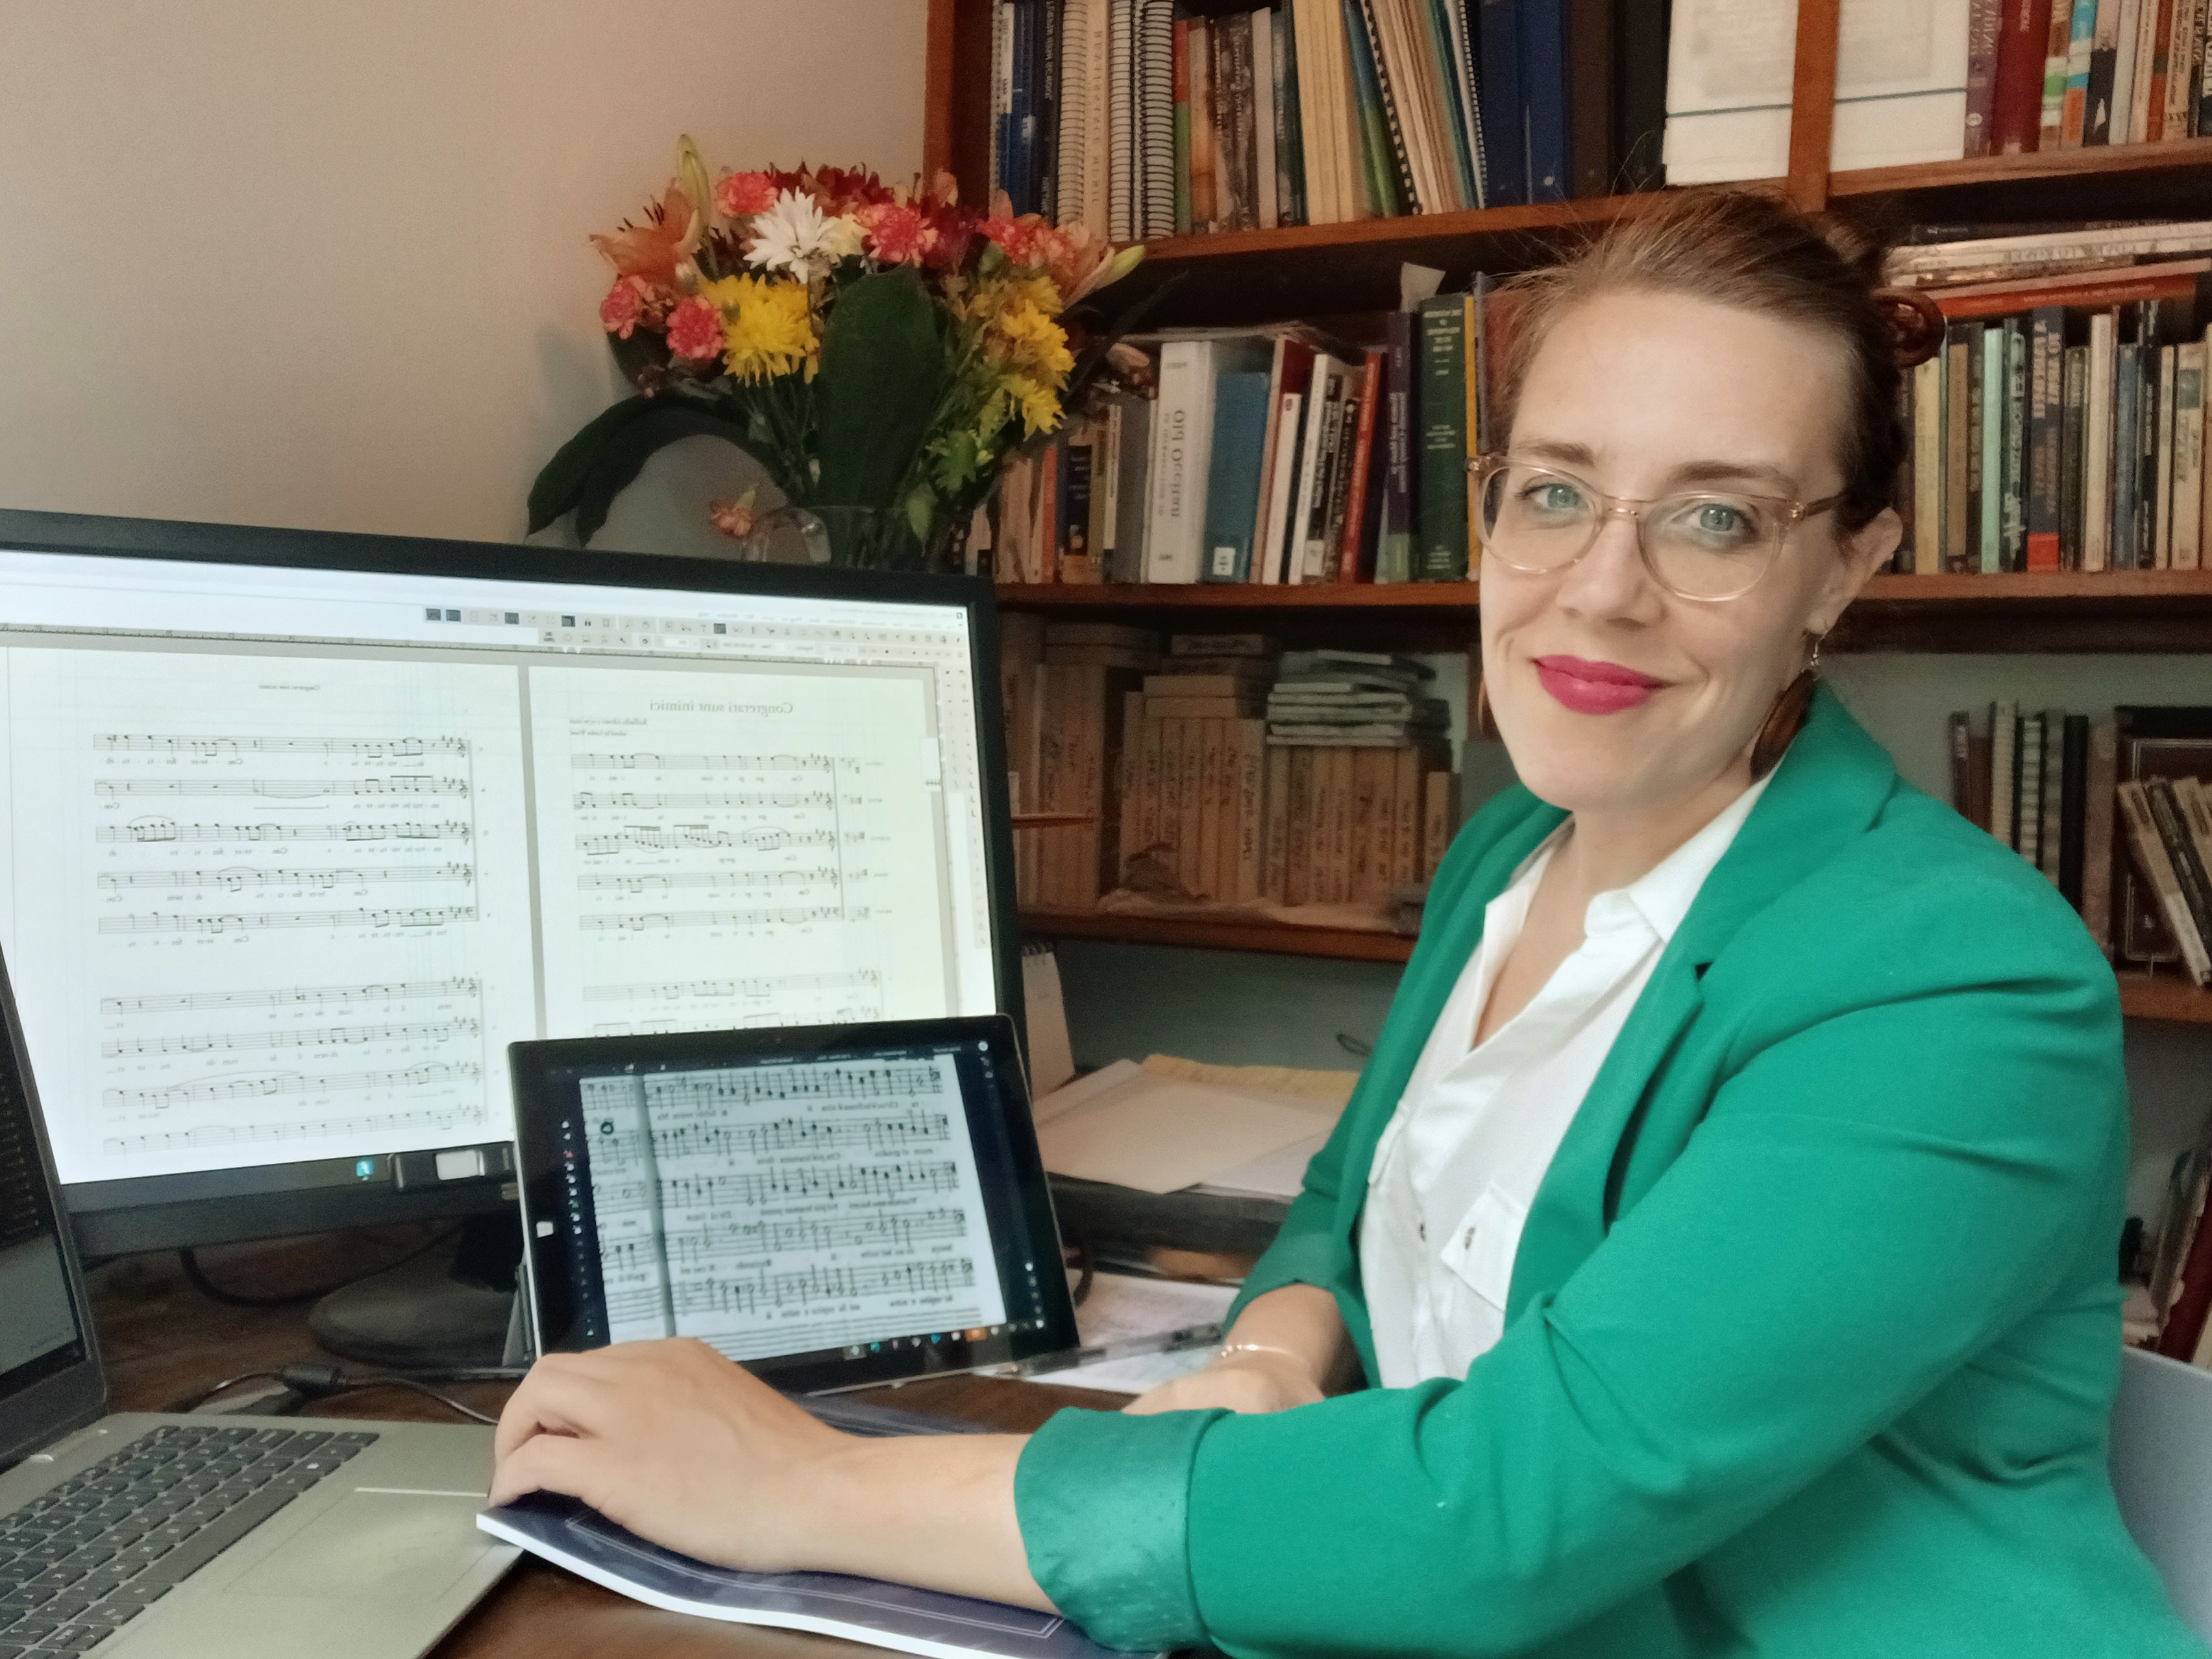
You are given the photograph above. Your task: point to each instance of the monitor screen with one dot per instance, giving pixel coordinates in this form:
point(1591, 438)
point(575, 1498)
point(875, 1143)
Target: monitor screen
point(290, 852)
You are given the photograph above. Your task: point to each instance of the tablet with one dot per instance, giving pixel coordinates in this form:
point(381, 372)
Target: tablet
point(834, 1206)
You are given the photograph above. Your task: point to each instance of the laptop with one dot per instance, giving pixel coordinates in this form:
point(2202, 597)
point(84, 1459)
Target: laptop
point(836, 1207)
point(149, 1536)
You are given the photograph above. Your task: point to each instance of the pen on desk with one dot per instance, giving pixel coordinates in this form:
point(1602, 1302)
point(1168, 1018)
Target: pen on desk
point(1190, 1336)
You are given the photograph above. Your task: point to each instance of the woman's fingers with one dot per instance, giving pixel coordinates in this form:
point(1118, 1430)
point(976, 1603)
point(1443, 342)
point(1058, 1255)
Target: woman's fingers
point(550, 1462)
point(563, 1394)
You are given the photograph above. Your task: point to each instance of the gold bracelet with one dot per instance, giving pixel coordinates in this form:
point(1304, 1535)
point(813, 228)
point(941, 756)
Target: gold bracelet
point(1228, 1348)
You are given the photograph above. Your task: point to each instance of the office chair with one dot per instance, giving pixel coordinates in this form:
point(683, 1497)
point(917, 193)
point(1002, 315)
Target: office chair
point(2161, 1450)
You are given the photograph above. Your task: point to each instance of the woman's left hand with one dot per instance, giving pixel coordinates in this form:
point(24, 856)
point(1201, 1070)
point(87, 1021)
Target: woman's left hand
point(674, 1443)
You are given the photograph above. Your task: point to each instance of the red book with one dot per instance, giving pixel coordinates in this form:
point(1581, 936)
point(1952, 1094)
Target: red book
point(1357, 563)
point(2122, 289)
point(1984, 27)
point(2016, 109)
point(2160, 66)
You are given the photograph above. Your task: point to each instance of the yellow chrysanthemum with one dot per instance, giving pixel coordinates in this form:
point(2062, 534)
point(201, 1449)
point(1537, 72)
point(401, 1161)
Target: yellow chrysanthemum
point(768, 326)
point(1035, 340)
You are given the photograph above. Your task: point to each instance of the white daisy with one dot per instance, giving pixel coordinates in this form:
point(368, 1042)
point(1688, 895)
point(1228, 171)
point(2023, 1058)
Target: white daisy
point(797, 236)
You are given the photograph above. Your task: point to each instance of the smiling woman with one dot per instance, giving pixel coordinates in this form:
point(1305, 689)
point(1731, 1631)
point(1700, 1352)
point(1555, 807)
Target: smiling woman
point(1717, 1256)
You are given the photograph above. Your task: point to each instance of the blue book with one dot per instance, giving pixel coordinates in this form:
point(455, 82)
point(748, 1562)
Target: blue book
point(1022, 118)
point(1504, 151)
point(1232, 481)
point(1544, 97)
point(2127, 389)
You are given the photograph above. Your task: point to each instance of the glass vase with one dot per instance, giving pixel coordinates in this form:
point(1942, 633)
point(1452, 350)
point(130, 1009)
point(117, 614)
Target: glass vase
point(851, 537)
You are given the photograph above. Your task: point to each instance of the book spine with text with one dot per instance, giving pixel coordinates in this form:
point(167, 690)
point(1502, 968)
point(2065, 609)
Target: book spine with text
point(2189, 453)
point(1984, 30)
point(1357, 563)
point(2045, 456)
point(2072, 419)
point(1441, 554)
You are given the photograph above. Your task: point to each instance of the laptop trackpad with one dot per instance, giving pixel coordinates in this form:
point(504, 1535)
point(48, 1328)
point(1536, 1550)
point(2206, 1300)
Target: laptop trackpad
point(391, 1547)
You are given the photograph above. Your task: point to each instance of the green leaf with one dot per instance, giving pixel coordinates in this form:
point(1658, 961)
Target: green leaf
point(559, 484)
point(884, 376)
point(624, 456)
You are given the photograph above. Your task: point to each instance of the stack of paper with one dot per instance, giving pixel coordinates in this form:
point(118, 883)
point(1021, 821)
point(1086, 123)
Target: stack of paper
point(1141, 1126)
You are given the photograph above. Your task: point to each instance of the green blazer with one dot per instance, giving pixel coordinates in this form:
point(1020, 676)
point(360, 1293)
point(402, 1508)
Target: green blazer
point(1813, 1333)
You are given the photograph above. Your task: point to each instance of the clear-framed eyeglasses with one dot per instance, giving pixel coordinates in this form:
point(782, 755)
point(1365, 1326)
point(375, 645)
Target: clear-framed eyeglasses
point(1708, 545)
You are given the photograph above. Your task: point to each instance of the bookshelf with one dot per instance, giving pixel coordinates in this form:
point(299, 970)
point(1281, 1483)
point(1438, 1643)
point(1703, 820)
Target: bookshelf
point(1261, 276)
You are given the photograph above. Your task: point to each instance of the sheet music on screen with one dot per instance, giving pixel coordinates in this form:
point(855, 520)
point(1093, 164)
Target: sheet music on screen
point(788, 1208)
point(292, 855)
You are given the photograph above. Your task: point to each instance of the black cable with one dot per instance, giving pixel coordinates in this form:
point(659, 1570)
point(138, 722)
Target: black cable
point(314, 1380)
point(188, 1260)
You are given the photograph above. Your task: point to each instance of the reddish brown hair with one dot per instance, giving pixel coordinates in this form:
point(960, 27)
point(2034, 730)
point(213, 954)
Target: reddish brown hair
point(1760, 254)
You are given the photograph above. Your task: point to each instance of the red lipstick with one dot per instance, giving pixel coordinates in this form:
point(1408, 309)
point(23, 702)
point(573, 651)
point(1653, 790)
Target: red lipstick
point(1594, 688)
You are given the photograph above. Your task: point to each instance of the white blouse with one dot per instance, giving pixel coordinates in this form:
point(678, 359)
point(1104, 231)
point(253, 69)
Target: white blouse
point(1460, 1161)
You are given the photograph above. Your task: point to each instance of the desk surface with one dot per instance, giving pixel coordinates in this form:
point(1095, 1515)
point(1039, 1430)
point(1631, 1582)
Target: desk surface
point(163, 1340)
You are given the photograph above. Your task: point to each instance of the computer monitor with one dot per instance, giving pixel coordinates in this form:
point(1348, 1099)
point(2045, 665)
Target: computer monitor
point(298, 832)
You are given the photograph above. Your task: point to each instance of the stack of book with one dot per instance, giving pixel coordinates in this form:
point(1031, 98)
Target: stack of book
point(1276, 455)
point(1353, 699)
point(1165, 746)
point(2062, 425)
point(2114, 812)
point(1143, 118)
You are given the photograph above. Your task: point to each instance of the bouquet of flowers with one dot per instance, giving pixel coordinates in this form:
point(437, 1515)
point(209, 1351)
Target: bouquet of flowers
point(879, 352)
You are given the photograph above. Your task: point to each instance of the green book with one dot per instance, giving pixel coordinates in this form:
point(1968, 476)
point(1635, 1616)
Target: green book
point(1994, 381)
point(1440, 489)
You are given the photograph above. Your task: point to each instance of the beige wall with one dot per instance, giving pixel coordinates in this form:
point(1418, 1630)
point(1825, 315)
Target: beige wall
point(321, 263)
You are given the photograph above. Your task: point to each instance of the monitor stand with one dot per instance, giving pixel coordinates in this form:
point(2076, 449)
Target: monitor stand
point(450, 1308)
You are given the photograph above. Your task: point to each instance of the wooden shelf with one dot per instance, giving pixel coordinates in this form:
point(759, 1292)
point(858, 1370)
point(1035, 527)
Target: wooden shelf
point(1344, 943)
point(2167, 997)
point(2109, 181)
point(2117, 610)
point(2163, 997)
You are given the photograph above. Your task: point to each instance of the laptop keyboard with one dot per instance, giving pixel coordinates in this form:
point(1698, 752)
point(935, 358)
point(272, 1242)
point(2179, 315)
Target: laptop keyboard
point(83, 1558)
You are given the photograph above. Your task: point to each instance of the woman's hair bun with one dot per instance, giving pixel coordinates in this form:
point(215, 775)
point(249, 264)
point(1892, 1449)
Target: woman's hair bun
point(1914, 324)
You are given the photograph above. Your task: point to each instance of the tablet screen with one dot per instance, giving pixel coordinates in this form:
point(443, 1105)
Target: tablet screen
point(833, 1206)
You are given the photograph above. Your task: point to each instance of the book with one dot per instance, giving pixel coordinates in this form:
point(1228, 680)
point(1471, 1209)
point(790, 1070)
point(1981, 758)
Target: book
point(1504, 112)
point(2079, 43)
point(1181, 136)
point(2027, 810)
point(2012, 515)
point(2097, 443)
point(1961, 549)
point(1357, 560)
point(1985, 32)
point(1442, 522)
point(2044, 455)
point(2072, 416)
point(2147, 847)
point(1383, 155)
point(2189, 453)
point(1988, 479)
point(2004, 751)
point(2168, 741)
point(1232, 489)
point(1544, 97)
point(1393, 550)
point(1290, 161)
point(1283, 486)
point(2192, 872)
point(1592, 97)
point(1267, 206)
point(1155, 161)
point(2049, 849)
point(1641, 62)
point(2073, 808)
point(1274, 845)
point(1198, 68)
point(2162, 453)
point(2127, 451)
point(570, 1534)
point(2097, 797)
point(1182, 455)
point(1439, 818)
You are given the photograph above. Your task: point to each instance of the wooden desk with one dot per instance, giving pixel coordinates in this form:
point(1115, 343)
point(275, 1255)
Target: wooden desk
point(163, 1340)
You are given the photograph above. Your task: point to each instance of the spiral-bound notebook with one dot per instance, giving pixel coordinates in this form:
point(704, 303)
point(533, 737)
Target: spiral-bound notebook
point(896, 1616)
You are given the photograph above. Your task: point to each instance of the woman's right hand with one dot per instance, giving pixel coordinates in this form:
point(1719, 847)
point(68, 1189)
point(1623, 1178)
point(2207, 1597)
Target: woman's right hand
point(1241, 1381)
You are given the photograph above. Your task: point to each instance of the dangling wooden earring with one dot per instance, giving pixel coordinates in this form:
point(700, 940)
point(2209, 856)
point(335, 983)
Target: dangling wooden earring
point(1479, 720)
point(1785, 718)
